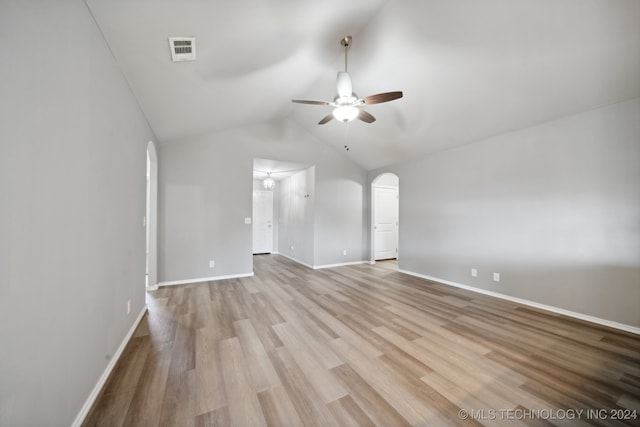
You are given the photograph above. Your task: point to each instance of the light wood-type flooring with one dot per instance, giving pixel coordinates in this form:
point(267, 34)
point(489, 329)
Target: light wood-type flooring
point(363, 345)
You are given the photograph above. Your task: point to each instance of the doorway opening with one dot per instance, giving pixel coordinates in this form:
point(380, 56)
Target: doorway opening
point(385, 218)
point(283, 209)
point(151, 219)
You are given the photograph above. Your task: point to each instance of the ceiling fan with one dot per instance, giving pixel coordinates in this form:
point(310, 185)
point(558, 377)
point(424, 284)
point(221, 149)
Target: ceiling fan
point(346, 103)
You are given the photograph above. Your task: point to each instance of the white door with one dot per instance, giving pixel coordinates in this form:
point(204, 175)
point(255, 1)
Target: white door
point(262, 222)
point(386, 223)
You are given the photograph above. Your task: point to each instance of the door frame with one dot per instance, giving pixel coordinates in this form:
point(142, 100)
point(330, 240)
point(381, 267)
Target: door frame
point(151, 231)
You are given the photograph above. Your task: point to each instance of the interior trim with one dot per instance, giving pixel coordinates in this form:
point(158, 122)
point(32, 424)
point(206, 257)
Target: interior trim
point(84, 411)
point(296, 260)
point(204, 279)
point(574, 314)
point(318, 267)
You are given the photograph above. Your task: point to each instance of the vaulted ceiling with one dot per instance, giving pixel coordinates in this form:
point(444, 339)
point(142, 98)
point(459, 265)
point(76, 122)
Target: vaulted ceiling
point(468, 69)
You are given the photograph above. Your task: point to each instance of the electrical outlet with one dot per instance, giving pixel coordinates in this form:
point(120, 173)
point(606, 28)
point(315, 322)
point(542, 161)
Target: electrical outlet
point(128, 307)
point(344, 252)
point(474, 272)
point(212, 264)
point(496, 277)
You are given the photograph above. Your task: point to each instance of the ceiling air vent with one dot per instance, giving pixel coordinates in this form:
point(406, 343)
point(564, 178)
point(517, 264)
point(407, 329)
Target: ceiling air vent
point(183, 48)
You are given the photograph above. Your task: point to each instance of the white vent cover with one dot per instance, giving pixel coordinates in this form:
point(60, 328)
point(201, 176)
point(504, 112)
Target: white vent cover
point(183, 48)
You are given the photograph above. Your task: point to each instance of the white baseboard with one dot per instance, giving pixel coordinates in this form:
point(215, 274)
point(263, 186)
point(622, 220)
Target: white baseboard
point(203, 279)
point(574, 314)
point(107, 371)
point(317, 267)
point(296, 260)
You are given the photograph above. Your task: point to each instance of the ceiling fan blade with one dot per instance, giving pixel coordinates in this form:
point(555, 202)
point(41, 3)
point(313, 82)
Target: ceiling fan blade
point(382, 97)
point(366, 117)
point(302, 101)
point(325, 119)
point(344, 84)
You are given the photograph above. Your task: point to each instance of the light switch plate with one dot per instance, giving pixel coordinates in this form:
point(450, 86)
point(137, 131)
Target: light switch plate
point(247, 220)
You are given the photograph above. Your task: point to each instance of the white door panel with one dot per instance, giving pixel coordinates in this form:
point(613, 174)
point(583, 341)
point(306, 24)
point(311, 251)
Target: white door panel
point(386, 223)
point(262, 222)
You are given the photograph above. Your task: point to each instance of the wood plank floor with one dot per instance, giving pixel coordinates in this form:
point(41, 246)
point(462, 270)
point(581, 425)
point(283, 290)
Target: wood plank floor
point(363, 346)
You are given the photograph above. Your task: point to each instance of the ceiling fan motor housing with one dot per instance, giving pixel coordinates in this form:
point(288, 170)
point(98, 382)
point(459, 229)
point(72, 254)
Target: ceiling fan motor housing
point(344, 84)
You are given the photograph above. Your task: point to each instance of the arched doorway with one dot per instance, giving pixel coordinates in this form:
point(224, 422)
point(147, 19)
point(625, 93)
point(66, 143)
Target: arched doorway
point(385, 209)
point(151, 277)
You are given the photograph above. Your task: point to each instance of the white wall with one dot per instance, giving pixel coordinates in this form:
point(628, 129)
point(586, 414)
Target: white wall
point(72, 199)
point(553, 208)
point(205, 192)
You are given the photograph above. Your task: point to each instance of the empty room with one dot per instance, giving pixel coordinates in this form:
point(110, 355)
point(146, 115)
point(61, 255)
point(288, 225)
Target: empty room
point(304, 213)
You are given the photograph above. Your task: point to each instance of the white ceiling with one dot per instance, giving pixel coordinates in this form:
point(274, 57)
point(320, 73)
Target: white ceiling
point(468, 69)
point(278, 169)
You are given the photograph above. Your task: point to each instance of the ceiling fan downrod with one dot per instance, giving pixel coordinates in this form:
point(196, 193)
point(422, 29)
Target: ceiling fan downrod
point(346, 42)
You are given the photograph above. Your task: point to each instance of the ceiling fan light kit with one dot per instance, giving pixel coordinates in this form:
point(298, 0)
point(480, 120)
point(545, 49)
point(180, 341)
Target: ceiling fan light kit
point(346, 113)
point(346, 103)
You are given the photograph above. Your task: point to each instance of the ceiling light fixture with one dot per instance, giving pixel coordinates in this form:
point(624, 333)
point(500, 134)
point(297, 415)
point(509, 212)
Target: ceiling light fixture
point(268, 183)
point(346, 113)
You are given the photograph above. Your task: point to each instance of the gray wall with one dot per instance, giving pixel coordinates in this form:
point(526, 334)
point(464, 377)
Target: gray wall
point(205, 192)
point(296, 220)
point(553, 208)
point(72, 198)
point(341, 215)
